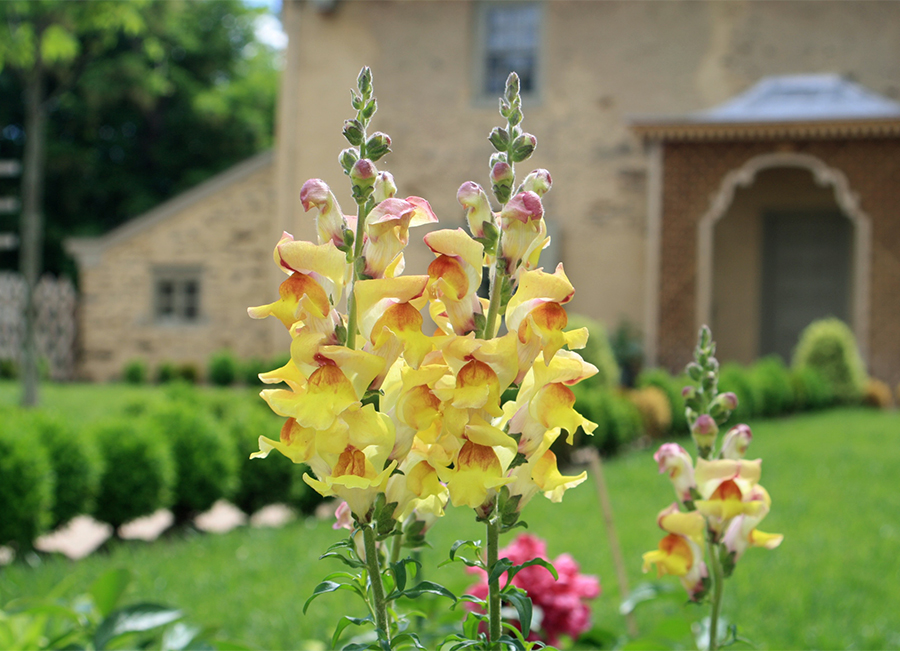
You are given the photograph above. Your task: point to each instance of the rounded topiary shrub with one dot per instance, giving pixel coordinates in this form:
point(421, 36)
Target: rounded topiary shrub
point(260, 481)
point(135, 372)
point(829, 347)
point(27, 484)
point(76, 464)
point(773, 382)
point(671, 386)
point(223, 368)
point(810, 390)
point(166, 372)
point(597, 351)
point(138, 471)
point(625, 424)
point(205, 460)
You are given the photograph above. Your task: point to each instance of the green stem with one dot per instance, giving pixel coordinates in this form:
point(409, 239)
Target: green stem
point(493, 555)
point(380, 605)
point(362, 211)
point(718, 584)
point(490, 322)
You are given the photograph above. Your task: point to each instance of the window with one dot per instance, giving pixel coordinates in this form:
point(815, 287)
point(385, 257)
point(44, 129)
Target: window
point(176, 295)
point(511, 32)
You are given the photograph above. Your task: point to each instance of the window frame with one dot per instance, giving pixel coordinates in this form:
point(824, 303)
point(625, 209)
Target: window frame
point(480, 94)
point(182, 311)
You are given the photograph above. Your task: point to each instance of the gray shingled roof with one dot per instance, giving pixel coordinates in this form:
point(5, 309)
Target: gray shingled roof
point(805, 98)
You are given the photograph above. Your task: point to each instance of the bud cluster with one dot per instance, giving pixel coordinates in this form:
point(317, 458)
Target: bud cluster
point(357, 160)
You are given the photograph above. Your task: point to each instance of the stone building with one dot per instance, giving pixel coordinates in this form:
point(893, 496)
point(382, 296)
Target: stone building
point(664, 221)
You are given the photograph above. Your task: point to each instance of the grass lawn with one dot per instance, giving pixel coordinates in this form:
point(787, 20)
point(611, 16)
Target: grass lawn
point(833, 583)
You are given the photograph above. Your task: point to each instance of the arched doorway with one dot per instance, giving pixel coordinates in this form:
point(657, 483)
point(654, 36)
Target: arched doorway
point(783, 245)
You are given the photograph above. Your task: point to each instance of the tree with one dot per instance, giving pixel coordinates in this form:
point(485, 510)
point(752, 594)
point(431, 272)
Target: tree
point(164, 96)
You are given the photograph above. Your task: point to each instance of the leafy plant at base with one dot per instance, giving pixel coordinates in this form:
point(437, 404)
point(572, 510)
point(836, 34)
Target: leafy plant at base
point(135, 372)
point(223, 368)
point(138, 470)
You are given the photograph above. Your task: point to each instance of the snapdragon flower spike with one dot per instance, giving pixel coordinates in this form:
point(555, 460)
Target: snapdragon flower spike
point(418, 488)
point(387, 233)
point(473, 198)
point(675, 461)
point(330, 222)
point(680, 553)
point(524, 232)
point(455, 276)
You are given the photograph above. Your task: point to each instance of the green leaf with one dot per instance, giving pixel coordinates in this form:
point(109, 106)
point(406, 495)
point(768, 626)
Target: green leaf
point(428, 587)
point(58, 45)
point(344, 622)
point(512, 642)
point(534, 561)
point(108, 589)
point(350, 562)
point(133, 619)
point(328, 586)
point(524, 608)
point(501, 566)
point(407, 638)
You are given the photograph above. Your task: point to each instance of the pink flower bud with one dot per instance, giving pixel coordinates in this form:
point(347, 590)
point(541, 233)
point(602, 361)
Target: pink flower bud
point(363, 172)
point(524, 207)
point(704, 431)
point(501, 172)
point(736, 441)
point(385, 188)
point(315, 192)
point(729, 400)
point(675, 460)
point(539, 182)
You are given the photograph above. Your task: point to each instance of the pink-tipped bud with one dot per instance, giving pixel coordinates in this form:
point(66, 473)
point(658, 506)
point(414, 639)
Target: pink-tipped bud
point(524, 207)
point(689, 392)
point(385, 188)
point(539, 182)
point(522, 148)
point(501, 180)
point(704, 430)
point(315, 192)
point(729, 400)
point(678, 464)
point(472, 197)
point(736, 442)
point(362, 176)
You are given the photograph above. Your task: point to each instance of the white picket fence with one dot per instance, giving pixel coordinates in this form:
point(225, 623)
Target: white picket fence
point(55, 328)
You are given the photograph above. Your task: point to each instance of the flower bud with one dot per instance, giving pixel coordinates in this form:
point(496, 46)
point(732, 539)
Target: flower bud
point(539, 182)
point(704, 431)
point(499, 138)
point(369, 110)
point(524, 207)
point(512, 88)
point(362, 177)
point(689, 392)
point(353, 132)
point(377, 145)
point(364, 82)
point(385, 188)
point(522, 148)
point(736, 441)
point(472, 197)
point(347, 158)
point(677, 463)
point(501, 181)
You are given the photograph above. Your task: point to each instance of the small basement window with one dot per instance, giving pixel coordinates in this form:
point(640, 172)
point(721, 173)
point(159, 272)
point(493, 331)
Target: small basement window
point(176, 295)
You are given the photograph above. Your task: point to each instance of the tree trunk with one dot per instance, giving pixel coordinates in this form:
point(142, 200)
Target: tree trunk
point(32, 223)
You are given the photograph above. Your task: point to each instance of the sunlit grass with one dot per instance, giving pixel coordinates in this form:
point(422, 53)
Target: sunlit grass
point(834, 582)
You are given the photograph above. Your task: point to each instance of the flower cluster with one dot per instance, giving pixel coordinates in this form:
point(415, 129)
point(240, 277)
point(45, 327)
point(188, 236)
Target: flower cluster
point(719, 499)
point(559, 605)
point(377, 401)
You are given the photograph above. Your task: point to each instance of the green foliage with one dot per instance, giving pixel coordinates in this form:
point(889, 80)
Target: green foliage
point(628, 348)
point(598, 352)
point(9, 370)
point(260, 481)
point(188, 372)
point(250, 370)
point(810, 390)
point(135, 372)
point(302, 496)
point(773, 382)
point(223, 368)
point(618, 419)
point(27, 484)
point(205, 460)
point(155, 98)
point(671, 386)
point(138, 470)
point(75, 462)
point(829, 347)
point(735, 378)
point(166, 372)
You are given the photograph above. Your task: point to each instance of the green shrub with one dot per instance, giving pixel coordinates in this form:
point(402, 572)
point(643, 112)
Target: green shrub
point(618, 419)
point(627, 425)
point(656, 412)
point(829, 347)
point(188, 372)
point(738, 380)
point(138, 470)
point(597, 351)
point(27, 484)
point(671, 386)
point(810, 390)
point(166, 372)
point(75, 463)
point(260, 481)
point(223, 369)
point(302, 496)
point(9, 370)
point(627, 347)
point(205, 460)
point(135, 372)
point(773, 381)
point(251, 369)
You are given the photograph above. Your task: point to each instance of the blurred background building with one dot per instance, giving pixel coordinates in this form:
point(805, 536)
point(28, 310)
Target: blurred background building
point(732, 163)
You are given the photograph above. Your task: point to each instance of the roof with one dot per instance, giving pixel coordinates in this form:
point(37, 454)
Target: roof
point(87, 249)
point(791, 105)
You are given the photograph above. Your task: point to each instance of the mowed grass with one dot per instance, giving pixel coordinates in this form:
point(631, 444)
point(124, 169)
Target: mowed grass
point(833, 583)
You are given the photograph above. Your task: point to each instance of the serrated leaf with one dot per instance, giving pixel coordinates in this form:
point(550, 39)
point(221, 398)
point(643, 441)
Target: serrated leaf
point(133, 619)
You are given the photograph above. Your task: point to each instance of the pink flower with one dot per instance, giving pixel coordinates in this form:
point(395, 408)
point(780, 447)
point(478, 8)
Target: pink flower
point(559, 602)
